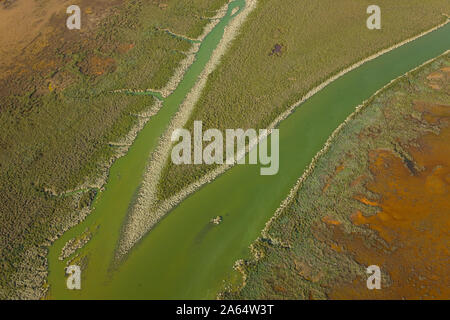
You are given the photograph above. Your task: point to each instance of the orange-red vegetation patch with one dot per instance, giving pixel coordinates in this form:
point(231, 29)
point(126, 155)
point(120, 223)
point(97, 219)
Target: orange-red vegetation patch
point(98, 66)
point(437, 78)
point(435, 86)
point(433, 113)
point(435, 75)
point(329, 220)
point(413, 221)
point(41, 44)
point(161, 4)
point(366, 201)
point(305, 271)
point(125, 47)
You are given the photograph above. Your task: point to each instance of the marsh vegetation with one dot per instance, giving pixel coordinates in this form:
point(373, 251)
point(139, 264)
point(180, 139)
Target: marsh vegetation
point(60, 122)
point(364, 203)
point(284, 49)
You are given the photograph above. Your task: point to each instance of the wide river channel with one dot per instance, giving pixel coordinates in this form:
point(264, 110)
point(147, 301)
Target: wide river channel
point(185, 256)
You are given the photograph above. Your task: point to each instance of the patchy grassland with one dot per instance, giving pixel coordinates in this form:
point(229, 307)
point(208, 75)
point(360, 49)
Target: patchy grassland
point(378, 195)
point(285, 49)
point(59, 121)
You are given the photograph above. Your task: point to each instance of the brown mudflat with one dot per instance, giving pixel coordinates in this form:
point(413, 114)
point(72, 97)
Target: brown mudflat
point(38, 43)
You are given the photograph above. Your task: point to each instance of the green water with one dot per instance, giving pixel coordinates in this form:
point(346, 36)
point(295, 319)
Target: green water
point(186, 257)
point(157, 95)
point(110, 206)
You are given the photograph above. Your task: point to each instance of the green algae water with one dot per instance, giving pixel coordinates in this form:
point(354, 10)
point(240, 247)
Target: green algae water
point(184, 256)
point(125, 176)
